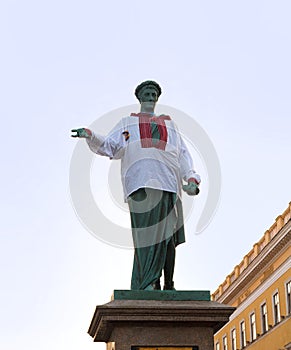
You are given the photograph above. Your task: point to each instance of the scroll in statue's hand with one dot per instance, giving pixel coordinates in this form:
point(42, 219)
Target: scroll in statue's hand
point(192, 188)
point(82, 132)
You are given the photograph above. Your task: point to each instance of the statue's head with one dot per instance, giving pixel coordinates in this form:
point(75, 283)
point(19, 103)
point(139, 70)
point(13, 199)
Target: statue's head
point(148, 89)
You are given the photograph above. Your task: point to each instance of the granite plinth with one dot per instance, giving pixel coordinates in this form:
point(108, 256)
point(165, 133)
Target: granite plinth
point(124, 324)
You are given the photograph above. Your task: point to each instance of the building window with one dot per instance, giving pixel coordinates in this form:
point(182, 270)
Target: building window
point(233, 339)
point(276, 304)
point(264, 318)
point(224, 343)
point(253, 326)
point(217, 347)
point(243, 339)
point(288, 294)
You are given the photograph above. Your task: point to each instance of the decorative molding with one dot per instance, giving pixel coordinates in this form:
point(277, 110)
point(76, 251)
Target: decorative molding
point(262, 246)
point(259, 291)
point(277, 245)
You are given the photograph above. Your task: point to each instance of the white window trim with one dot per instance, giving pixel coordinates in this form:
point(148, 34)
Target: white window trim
point(240, 337)
point(256, 334)
point(224, 336)
point(273, 307)
point(286, 298)
point(233, 329)
point(264, 302)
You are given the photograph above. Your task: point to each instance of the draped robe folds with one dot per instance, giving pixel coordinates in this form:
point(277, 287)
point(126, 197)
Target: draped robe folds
point(152, 231)
point(154, 160)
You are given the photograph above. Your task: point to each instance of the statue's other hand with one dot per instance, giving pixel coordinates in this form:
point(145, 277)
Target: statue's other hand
point(191, 189)
point(82, 132)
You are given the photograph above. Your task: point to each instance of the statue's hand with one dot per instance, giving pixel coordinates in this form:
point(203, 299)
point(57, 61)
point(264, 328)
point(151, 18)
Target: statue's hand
point(192, 188)
point(83, 132)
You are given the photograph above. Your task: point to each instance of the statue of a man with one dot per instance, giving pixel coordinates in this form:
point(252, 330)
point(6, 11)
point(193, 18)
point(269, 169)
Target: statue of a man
point(154, 163)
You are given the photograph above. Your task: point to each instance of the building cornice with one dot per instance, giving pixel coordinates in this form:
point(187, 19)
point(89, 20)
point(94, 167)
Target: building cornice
point(275, 241)
point(259, 291)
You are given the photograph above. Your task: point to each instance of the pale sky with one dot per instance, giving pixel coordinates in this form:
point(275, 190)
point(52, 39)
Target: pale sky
point(66, 63)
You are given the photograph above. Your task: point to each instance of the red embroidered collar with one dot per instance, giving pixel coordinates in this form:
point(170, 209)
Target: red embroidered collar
point(145, 120)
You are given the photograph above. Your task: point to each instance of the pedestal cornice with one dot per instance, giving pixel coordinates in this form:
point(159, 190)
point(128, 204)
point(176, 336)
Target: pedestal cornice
point(157, 313)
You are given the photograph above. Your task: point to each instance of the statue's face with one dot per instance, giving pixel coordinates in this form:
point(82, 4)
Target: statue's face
point(148, 94)
point(148, 98)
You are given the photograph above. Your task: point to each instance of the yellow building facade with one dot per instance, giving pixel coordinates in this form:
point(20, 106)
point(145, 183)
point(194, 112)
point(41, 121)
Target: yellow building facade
point(260, 288)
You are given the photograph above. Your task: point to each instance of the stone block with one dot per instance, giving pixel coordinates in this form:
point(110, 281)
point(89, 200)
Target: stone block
point(129, 324)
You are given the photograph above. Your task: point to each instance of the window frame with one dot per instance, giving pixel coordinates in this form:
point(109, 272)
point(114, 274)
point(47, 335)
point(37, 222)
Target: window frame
point(253, 327)
point(224, 342)
point(233, 340)
point(276, 308)
point(288, 297)
point(264, 325)
point(243, 335)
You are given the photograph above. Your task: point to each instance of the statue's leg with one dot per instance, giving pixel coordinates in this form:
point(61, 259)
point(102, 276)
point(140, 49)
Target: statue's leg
point(147, 267)
point(152, 230)
point(170, 265)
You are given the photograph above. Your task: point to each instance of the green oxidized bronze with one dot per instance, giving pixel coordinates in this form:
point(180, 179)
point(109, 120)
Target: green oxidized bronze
point(161, 222)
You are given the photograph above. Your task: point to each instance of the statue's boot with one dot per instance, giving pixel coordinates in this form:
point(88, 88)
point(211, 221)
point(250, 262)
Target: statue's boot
point(169, 266)
point(157, 285)
point(169, 285)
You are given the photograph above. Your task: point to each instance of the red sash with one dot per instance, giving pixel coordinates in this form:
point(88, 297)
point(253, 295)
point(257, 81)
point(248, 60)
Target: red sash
point(145, 130)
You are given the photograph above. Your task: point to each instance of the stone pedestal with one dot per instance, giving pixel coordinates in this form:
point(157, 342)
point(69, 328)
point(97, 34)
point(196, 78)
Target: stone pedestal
point(153, 319)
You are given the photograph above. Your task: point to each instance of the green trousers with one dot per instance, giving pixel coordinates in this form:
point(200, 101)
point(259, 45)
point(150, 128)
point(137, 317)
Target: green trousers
point(157, 228)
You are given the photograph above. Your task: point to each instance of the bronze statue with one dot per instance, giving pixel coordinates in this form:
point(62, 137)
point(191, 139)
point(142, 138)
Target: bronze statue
point(154, 163)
